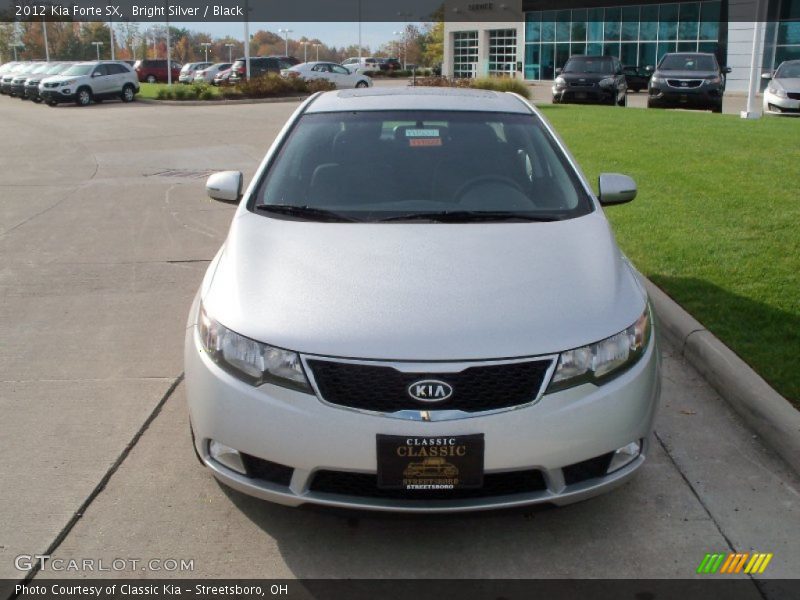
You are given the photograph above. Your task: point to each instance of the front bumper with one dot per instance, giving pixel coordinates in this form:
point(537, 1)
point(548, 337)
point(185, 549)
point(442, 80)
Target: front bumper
point(306, 436)
point(780, 106)
point(57, 94)
point(705, 96)
point(17, 89)
point(584, 94)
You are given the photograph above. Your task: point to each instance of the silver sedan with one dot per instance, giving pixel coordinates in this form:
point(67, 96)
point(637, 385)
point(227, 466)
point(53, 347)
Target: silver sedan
point(453, 328)
point(782, 96)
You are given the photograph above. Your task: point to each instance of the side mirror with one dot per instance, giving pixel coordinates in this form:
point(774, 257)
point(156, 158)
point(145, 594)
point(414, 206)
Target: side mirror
point(96, 74)
point(616, 189)
point(766, 76)
point(225, 186)
point(727, 70)
point(558, 71)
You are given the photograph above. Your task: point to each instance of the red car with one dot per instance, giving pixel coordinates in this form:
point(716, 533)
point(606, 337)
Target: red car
point(153, 71)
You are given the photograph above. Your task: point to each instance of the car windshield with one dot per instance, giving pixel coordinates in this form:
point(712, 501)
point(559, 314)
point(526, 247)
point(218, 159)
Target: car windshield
point(379, 165)
point(589, 64)
point(56, 69)
point(79, 70)
point(688, 62)
point(788, 71)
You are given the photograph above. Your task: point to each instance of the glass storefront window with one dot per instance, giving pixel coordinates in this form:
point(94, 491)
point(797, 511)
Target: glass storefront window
point(578, 25)
point(465, 53)
point(611, 29)
point(668, 22)
point(630, 24)
point(709, 20)
point(562, 25)
point(548, 26)
point(788, 37)
point(595, 24)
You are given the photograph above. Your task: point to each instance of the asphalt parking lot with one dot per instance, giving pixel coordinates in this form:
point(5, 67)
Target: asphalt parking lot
point(105, 233)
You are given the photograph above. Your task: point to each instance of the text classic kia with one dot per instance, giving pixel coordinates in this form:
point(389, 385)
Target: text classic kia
point(420, 306)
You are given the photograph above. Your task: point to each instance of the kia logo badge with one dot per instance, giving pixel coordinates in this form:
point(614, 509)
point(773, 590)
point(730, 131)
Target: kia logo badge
point(430, 390)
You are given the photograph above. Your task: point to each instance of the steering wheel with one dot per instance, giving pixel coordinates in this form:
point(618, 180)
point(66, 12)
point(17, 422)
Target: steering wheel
point(484, 179)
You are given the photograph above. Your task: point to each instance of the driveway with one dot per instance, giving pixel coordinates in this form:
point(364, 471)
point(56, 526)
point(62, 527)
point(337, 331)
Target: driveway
point(105, 233)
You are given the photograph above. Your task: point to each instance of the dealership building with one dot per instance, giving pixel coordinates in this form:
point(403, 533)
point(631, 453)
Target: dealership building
point(533, 38)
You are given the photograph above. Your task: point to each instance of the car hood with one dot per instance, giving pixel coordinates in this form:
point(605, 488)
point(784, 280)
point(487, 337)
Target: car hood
point(790, 84)
point(685, 74)
point(57, 78)
point(588, 77)
point(424, 291)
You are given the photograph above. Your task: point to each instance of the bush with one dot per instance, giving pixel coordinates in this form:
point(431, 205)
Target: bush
point(498, 84)
point(207, 94)
point(180, 93)
point(269, 85)
point(319, 85)
point(163, 94)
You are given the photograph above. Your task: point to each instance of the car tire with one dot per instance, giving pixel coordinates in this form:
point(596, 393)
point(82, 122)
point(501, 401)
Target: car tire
point(52, 104)
point(717, 108)
point(623, 101)
point(83, 97)
point(362, 84)
point(151, 79)
point(650, 104)
point(128, 93)
point(36, 100)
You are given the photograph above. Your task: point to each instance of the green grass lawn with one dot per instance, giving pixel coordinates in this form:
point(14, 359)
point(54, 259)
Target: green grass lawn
point(716, 223)
point(150, 90)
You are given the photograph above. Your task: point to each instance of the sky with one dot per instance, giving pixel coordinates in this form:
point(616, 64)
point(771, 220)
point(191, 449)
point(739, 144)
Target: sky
point(332, 34)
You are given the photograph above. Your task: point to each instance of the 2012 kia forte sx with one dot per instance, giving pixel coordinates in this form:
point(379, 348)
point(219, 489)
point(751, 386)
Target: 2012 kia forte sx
point(420, 306)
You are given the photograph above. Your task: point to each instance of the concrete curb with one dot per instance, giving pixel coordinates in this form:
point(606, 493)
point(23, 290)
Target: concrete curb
point(296, 98)
point(764, 410)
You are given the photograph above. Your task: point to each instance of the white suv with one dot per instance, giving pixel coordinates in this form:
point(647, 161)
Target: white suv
point(91, 81)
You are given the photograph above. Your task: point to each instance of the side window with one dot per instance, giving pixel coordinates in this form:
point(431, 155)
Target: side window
point(340, 70)
point(100, 70)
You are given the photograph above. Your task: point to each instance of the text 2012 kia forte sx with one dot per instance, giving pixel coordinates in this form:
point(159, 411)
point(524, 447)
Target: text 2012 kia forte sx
point(420, 306)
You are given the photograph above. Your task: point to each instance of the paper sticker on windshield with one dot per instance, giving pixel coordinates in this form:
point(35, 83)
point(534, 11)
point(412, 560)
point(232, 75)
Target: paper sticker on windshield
point(423, 142)
point(423, 133)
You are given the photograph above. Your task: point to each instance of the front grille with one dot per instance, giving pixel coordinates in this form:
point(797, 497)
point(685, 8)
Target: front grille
point(51, 85)
point(690, 83)
point(365, 485)
point(793, 95)
point(266, 470)
point(385, 389)
point(587, 469)
point(581, 84)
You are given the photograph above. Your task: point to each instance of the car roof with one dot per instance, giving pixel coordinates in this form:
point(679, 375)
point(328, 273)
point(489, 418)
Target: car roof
point(418, 98)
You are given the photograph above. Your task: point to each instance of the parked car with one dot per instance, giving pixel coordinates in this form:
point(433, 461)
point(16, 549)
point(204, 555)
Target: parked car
point(637, 78)
point(687, 80)
point(782, 96)
point(20, 69)
point(7, 67)
point(363, 64)
point(595, 79)
point(337, 74)
point(91, 81)
point(155, 71)
point(393, 64)
point(261, 65)
point(32, 83)
point(189, 70)
point(223, 77)
point(207, 74)
point(288, 59)
point(18, 83)
point(319, 376)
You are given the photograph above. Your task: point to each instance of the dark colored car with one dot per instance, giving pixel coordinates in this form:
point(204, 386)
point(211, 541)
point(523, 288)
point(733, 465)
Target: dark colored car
point(392, 64)
point(18, 83)
point(288, 59)
point(32, 83)
point(259, 65)
point(153, 71)
point(688, 80)
point(592, 79)
point(636, 77)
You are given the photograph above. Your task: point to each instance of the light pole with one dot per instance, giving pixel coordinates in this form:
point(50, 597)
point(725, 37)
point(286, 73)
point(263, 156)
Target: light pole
point(305, 51)
point(46, 46)
point(155, 50)
point(287, 32)
point(230, 50)
point(400, 33)
point(205, 45)
point(15, 46)
point(317, 47)
point(97, 46)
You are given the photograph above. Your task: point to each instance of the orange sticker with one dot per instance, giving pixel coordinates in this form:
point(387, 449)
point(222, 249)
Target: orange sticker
point(425, 142)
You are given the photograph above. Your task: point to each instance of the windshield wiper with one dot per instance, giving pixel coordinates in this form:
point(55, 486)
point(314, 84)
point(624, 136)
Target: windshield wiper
point(467, 216)
point(306, 212)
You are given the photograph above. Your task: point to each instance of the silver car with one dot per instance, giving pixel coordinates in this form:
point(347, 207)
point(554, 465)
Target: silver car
point(782, 96)
point(452, 329)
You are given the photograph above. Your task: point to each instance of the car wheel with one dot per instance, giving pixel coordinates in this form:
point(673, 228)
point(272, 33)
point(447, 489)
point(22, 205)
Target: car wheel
point(83, 97)
point(362, 84)
point(622, 101)
point(128, 93)
point(151, 79)
point(52, 103)
point(651, 105)
point(36, 100)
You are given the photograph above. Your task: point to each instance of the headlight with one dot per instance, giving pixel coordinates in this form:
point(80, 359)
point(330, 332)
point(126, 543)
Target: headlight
point(656, 80)
point(70, 82)
point(249, 360)
point(713, 80)
point(776, 91)
point(603, 359)
point(560, 82)
point(607, 82)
